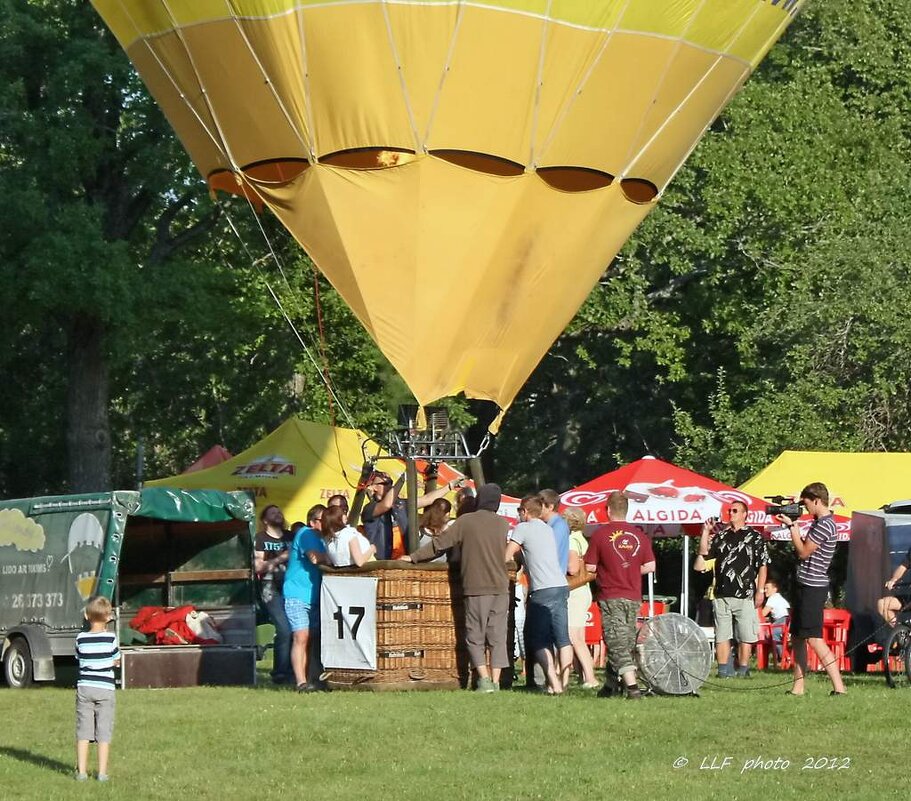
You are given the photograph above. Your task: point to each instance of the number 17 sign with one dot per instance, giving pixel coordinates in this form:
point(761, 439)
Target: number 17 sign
point(348, 622)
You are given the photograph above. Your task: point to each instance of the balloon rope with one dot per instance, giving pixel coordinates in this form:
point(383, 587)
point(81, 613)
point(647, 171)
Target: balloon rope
point(202, 89)
point(220, 146)
point(268, 80)
point(322, 339)
point(257, 264)
point(719, 57)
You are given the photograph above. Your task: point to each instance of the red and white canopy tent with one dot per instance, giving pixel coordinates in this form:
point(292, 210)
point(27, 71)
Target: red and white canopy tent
point(665, 500)
point(215, 455)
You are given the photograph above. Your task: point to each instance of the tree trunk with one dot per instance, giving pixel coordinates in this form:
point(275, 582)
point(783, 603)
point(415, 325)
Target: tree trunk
point(88, 434)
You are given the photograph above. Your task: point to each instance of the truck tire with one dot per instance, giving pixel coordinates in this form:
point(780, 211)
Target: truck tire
point(17, 664)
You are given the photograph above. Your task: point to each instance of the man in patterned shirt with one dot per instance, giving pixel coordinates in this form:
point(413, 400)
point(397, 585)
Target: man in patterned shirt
point(741, 563)
point(815, 550)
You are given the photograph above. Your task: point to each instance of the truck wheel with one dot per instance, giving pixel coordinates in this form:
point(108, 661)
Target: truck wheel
point(17, 664)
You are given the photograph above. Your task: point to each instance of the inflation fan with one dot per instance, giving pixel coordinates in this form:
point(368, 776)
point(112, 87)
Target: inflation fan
point(674, 654)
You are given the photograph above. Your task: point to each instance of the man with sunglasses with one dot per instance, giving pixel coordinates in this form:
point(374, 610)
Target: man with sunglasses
point(741, 565)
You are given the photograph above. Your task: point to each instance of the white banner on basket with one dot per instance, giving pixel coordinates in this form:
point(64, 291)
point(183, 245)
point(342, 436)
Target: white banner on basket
point(348, 622)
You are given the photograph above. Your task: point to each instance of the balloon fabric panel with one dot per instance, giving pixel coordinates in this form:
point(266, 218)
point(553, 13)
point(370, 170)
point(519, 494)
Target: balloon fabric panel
point(331, 113)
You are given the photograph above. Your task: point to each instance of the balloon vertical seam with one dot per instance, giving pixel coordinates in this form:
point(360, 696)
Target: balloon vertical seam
point(167, 72)
point(205, 95)
point(406, 97)
point(539, 81)
point(678, 46)
point(725, 100)
point(719, 58)
point(564, 112)
point(308, 105)
point(446, 66)
point(266, 76)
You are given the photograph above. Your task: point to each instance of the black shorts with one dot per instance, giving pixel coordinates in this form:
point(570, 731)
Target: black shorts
point(806, 612)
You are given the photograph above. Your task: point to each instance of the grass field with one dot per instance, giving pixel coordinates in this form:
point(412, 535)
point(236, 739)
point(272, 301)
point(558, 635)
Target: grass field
point(260, 743)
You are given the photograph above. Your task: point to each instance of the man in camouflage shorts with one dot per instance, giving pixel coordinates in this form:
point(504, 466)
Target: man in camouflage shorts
point(620, 554)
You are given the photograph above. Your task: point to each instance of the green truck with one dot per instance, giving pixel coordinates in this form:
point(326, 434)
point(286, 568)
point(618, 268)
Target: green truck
point(155, 547)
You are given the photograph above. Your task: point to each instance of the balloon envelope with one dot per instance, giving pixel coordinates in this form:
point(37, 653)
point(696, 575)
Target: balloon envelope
point(462, 173)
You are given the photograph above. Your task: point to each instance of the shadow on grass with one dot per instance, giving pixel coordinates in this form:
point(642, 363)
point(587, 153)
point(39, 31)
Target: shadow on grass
point(39, 760)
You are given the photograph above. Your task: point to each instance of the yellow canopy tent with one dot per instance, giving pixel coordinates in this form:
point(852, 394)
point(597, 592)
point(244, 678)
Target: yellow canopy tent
point(855, 480)
point(296, 466)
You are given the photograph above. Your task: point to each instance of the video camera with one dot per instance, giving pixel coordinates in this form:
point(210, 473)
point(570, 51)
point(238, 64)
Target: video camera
point(778, 507)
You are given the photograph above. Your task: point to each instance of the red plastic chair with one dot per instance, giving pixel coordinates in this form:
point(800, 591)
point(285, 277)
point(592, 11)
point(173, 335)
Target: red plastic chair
point(593, 635)
point(660, 608)
point(835, 626)
point(765, 646)
point(787, 655)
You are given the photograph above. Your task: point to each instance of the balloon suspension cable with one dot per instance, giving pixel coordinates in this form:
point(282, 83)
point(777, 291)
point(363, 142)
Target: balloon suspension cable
point(257, 264)
point(322, 340)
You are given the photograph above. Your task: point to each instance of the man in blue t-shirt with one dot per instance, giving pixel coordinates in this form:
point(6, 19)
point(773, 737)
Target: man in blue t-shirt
point(551, 500)
point(301, 590)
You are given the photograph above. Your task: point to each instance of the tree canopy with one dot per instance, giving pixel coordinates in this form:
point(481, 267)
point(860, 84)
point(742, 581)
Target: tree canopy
point(760, 307)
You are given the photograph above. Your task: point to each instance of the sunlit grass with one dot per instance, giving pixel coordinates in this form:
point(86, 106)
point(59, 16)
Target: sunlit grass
point(225, 743)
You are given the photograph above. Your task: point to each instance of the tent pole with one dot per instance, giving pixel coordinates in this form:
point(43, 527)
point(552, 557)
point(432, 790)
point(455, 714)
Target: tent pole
point(411, 479)
point(685, 603)
point(357, 503)
point(651, 594)
point(477, 472)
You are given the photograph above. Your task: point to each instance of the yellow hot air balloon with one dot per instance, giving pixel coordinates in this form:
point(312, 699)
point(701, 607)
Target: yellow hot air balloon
point(461, 172)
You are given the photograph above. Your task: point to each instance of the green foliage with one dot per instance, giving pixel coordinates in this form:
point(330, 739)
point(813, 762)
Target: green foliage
point(761, 306)
point(106, 220)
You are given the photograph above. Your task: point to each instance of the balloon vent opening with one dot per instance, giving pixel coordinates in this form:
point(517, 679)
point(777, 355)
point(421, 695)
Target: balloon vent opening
point(575, 179)
point(369, 158)
point(480, 162)
point(273, 171)
point(638, 190)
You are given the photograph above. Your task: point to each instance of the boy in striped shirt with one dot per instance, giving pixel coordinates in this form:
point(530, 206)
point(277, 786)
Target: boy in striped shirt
point(98, 654)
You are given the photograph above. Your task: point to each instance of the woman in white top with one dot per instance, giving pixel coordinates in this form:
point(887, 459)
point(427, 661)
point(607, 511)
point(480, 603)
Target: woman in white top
point(580, 598)
point(345, 545)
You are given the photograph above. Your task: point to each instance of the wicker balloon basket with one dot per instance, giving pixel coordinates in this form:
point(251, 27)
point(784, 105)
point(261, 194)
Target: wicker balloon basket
point(420, 628)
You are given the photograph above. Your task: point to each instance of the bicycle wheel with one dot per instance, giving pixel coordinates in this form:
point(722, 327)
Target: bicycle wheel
point(895, 656)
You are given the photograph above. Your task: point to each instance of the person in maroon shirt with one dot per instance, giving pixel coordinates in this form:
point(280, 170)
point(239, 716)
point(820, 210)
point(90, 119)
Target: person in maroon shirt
point(620, 555)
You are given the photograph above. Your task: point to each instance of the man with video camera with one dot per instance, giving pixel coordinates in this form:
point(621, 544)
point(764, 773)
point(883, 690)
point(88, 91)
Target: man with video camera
point(815, 550)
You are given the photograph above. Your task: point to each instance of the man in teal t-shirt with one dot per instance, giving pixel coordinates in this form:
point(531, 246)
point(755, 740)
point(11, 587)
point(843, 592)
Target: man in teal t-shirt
point(302, 585)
